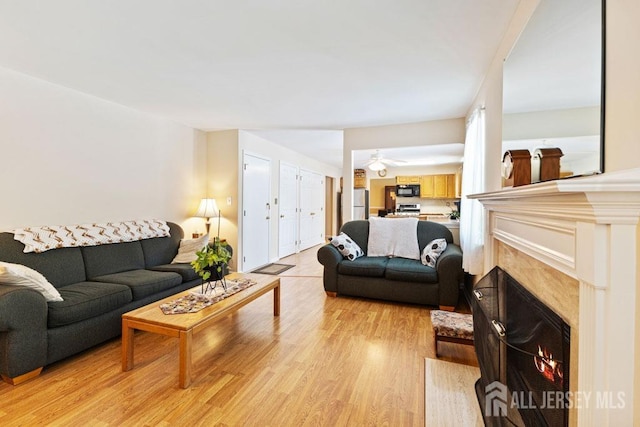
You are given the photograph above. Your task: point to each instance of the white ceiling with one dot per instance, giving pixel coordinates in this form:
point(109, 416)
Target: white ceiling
point(268, 65)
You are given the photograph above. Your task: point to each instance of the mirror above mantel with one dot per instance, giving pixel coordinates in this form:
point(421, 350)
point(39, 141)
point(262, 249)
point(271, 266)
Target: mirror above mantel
point(553, 90)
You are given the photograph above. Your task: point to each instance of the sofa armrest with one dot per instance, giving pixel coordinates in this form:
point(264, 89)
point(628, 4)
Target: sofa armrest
point(330, 257)
point(23, 330)
point(450, 274)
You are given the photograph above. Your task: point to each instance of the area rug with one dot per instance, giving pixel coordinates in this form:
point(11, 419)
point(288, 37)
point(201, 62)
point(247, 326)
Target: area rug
point(273, 269)
point(449, 394)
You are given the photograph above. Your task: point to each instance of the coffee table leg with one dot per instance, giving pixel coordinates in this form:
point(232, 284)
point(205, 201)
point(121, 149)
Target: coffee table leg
point(276, 300)
point(127, 346)
point(185, 358)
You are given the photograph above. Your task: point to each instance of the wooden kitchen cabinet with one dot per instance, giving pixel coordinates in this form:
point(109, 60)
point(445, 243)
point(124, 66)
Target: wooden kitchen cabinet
point(451, 186)
point(438, 186)
point(403, 180)
point(458, 184)
point(427, 186)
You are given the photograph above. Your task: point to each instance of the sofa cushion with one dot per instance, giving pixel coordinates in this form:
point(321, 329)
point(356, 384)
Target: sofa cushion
point(85, 300)
point(187, 252)
point(185, 270)
point(142, 282)
point(21, 275)
point(409, 270)
point(61, 267)
point(432, 251)
point(347, 247)
point(161, 250)
point(364, 266)
point(113, 258)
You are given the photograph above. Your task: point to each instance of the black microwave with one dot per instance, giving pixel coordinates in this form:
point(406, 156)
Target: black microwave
point(409, 190)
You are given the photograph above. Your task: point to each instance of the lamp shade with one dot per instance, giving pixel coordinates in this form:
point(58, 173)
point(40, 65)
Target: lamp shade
point(207, 209)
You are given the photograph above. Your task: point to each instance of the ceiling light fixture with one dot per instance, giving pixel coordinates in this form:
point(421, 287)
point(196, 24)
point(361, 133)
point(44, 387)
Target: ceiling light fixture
point(376, 166)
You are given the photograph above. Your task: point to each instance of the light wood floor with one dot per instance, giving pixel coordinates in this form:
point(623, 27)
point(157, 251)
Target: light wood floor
point(324, 361)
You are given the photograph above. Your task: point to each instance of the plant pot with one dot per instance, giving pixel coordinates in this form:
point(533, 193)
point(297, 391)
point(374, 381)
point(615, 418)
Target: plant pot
point(218, 275)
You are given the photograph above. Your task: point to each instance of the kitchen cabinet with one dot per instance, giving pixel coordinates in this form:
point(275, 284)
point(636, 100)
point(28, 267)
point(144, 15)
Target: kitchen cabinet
point(438, 186)
point(427, 186)
point(451, 186)
point(403, 180)
point(458, 184)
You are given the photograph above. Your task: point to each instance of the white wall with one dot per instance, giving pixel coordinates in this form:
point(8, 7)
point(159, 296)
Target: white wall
point(70, 158)
point(403, 135)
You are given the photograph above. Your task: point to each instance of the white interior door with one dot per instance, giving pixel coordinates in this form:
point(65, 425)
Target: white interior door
point(311, 209)
point(256, 211)
point(288, 210)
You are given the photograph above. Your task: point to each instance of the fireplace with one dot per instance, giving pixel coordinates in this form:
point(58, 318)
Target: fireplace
point(575, 244)
point(523, 351)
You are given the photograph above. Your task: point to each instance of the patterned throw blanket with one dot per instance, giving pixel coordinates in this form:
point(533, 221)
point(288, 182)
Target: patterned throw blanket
point(40, 239)
point(196, 301)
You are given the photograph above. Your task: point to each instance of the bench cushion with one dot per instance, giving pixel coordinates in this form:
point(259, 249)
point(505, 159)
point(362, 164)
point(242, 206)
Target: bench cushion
point(364, 266)
point(84, 300)
point(410, 270)
point(451, 324)
point(143, 283)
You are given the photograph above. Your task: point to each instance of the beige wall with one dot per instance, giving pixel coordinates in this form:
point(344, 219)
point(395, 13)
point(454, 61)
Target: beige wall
point(70, 158)
point(376, 193)
point(223, 171)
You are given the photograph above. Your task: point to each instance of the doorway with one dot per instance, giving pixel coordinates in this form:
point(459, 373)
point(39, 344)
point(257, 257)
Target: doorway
point(256, 211)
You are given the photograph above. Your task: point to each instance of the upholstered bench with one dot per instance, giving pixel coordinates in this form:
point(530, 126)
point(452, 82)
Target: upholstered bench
point(452, 327)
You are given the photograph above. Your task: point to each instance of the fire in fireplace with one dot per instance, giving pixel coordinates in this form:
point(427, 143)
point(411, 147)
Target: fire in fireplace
point(524, 345)
point(550, 368)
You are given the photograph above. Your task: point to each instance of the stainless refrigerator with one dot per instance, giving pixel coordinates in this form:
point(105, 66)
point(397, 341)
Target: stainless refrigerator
point(360, 203)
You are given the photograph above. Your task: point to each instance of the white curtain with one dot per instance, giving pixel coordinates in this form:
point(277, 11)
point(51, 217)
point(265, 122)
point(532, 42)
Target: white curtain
point(472, 211)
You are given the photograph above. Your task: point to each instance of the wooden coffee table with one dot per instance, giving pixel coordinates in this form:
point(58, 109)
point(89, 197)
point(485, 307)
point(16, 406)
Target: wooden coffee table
point(151, 319)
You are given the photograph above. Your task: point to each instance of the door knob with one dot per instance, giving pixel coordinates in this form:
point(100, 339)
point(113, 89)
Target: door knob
point(281, 216)
point(267, 218)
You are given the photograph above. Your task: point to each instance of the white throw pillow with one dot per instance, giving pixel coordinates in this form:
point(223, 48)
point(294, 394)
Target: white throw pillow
point(21, 275)
point(432, 251)
point(347, 247)
point(188, 248)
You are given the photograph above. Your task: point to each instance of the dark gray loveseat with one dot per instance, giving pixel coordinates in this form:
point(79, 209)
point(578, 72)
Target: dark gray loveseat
point(395, 279)
point(98, 284)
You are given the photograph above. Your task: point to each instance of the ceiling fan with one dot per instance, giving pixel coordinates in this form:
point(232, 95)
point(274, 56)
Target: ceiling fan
point(377, 162)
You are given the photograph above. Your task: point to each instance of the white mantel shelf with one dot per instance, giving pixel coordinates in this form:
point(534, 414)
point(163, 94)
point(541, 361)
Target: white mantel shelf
point(585, 227)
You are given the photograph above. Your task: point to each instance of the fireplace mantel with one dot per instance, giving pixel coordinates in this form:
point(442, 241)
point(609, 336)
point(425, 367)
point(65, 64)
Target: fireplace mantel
point(587, 229)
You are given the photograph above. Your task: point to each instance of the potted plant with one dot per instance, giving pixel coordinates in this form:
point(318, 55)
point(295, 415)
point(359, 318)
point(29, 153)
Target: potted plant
point(212, 261)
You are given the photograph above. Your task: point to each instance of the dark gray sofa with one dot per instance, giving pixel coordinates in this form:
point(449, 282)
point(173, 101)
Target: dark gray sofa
point(395, 279)
point(98, 284)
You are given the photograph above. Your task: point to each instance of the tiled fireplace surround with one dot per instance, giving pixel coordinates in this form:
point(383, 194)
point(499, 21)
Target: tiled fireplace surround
point(574, 244)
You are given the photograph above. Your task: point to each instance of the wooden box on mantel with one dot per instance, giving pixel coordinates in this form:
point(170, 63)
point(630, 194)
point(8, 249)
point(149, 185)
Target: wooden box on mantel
point(549, 159)
point(359, 178)
point(516, 168)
